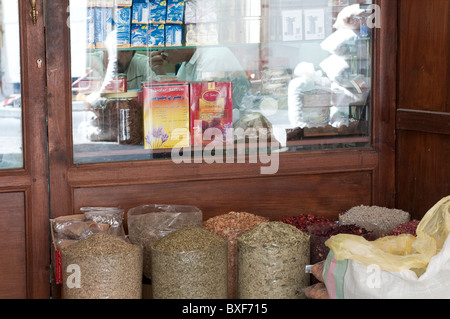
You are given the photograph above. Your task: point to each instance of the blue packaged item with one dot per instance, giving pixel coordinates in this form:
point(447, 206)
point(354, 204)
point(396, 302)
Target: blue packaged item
point(156, 35)
point(140, 13)
point(175, 11)
point(139, 35)
point(122, 23)
point(90, 27)
point(174, 35)
point(158, 11)
point(103, 25)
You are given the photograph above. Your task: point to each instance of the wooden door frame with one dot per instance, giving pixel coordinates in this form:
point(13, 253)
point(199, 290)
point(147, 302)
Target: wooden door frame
point(66, 178)
point(32, 180)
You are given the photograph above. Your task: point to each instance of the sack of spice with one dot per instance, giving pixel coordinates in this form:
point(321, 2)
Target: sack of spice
point(102, 266)
point(148, 223)
point(230, 226)
point(271, 261)
point(189, 263)
point(401, 266)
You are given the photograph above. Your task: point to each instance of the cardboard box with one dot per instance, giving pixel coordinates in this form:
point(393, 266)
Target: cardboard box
point(122, 23)
point(166, 115)
point(139, 37)
point(211, 107)
point(158, 11)
point(156, 35)
point(140, 12)
point(174, 35)
point(175, 11)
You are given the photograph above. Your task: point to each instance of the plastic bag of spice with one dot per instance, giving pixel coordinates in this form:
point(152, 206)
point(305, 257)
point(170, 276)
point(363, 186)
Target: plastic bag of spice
point(148, 223)
point(271, 261)
point(402, 266)
point(111, 216)
point(230, 226)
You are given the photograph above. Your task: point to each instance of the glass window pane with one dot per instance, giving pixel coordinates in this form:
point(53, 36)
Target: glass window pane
point(11, 148)
point(298, 70)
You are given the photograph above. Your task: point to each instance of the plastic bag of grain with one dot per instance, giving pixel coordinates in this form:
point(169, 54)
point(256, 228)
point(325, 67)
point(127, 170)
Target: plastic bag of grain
point(190, 263)
point(102, 266)
point(271, 262)
point(230, 226)
point(148, 223)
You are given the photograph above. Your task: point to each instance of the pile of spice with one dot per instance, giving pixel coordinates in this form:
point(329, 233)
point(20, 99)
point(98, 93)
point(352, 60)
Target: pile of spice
point(230, 226)
point(405, 228)
point(321, 233)
point(102, 266)
point(379, 220)
point(303, 221)
point(148, 223)
point(190, 263)
point(271, 262)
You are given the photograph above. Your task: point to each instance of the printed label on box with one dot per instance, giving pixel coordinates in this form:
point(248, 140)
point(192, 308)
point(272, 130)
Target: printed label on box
point(211, 107)
point(166, 115)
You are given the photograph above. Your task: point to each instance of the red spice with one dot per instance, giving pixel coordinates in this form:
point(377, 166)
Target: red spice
point(405, 228)
point(303, 221)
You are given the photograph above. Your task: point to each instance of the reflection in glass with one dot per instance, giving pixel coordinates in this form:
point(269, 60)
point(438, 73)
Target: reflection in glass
point(11, 155)
point(301, 69)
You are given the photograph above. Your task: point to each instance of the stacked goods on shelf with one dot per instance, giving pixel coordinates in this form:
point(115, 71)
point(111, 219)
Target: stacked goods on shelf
point(137, 23)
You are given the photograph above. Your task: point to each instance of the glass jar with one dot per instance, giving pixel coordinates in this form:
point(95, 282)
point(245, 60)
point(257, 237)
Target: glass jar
point(129, 116)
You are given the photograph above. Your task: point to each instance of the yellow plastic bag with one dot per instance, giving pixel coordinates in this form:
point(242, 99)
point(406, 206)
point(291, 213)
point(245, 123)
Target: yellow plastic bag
point(399, 253)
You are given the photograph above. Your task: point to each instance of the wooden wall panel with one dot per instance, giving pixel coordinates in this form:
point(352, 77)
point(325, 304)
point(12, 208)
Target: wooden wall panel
point(423, 110)
point(274, 197)
point(423, 170)
point(13, 277)
point(424, 64)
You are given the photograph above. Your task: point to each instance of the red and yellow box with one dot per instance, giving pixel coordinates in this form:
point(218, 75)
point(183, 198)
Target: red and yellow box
point(166, 115)
point(211, 107)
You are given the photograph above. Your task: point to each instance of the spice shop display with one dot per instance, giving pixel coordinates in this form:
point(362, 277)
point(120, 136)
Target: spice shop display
point(102, 266)
point(230, 226)
point(271, 262)
point(190, 263)
point(148, 223)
